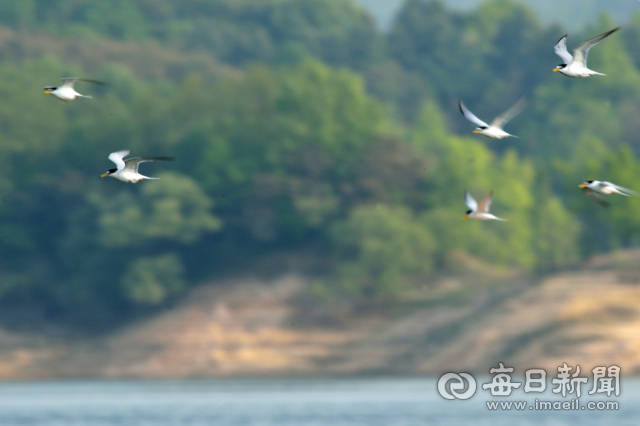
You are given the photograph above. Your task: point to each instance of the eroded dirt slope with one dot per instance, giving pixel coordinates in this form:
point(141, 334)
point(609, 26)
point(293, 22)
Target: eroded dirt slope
point(253, 328)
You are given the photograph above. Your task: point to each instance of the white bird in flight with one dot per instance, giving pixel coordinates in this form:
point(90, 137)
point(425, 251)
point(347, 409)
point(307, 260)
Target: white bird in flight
point(127, 170)
point(493, 130)
point(594, 189)
point(66, 92)
point(479, 211)
point(576, 65)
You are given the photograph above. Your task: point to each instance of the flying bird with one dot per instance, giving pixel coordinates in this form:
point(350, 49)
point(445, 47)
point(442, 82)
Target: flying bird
point(594, 189)
point(576, 65)
point(479, 211)
point(493, 130)
point(127, 170)
point(66, 92)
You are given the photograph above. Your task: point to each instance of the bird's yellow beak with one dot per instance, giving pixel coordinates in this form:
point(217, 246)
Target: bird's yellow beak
point(464, 217)
point(47, 91)
point(104, 175)
point(556, 69)
point(582, 185)
point(476, 131)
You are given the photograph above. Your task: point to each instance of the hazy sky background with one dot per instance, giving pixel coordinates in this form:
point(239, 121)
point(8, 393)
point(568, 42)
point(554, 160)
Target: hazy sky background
point(572, 14)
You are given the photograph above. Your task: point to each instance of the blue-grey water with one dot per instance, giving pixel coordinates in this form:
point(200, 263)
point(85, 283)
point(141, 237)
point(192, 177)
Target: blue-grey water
point(272, 402)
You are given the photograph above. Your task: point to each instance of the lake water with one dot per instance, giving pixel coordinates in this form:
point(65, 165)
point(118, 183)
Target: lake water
point(292, 402)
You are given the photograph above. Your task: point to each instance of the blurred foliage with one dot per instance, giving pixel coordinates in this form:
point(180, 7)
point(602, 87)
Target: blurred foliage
point(378, 248)
point(152, 280)
point(236, 31)
point(297, 126)
point(178, 211)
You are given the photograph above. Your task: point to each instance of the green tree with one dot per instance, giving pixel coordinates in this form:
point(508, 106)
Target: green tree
point(152, 280)
point(177, 210)
point(379, 248)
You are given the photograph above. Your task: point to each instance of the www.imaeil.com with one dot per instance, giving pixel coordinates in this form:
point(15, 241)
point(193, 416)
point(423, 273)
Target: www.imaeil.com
point(572, 405)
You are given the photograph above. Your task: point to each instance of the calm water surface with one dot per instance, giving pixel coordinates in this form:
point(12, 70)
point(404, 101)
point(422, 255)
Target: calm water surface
point(333, 402)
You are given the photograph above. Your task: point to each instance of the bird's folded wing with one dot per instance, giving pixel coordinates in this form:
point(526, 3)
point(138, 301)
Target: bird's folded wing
point(470, 116)
point(582, 51)
point(506, 116)
point(561, 50)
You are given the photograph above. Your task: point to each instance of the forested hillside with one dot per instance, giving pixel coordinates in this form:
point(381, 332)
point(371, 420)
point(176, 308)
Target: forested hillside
point(575, 14)
point(299, 129)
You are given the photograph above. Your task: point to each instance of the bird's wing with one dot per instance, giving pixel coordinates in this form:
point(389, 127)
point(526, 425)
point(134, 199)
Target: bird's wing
point(470, 116)
point(133, 163)
point(470, 202)
point(602, 185)
point(69, 81)
point(485, 203)
point(580, 53)
point(623, 190)
point(117, 157)
point(506, 116)
point(595, 197)
point(561, 50)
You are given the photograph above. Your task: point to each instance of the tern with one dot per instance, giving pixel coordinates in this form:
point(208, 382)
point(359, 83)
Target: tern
point(479, 211)
point(594, 189)
point(127, 170)
point(576, 65)
point(493, 130)
point(66, 92)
